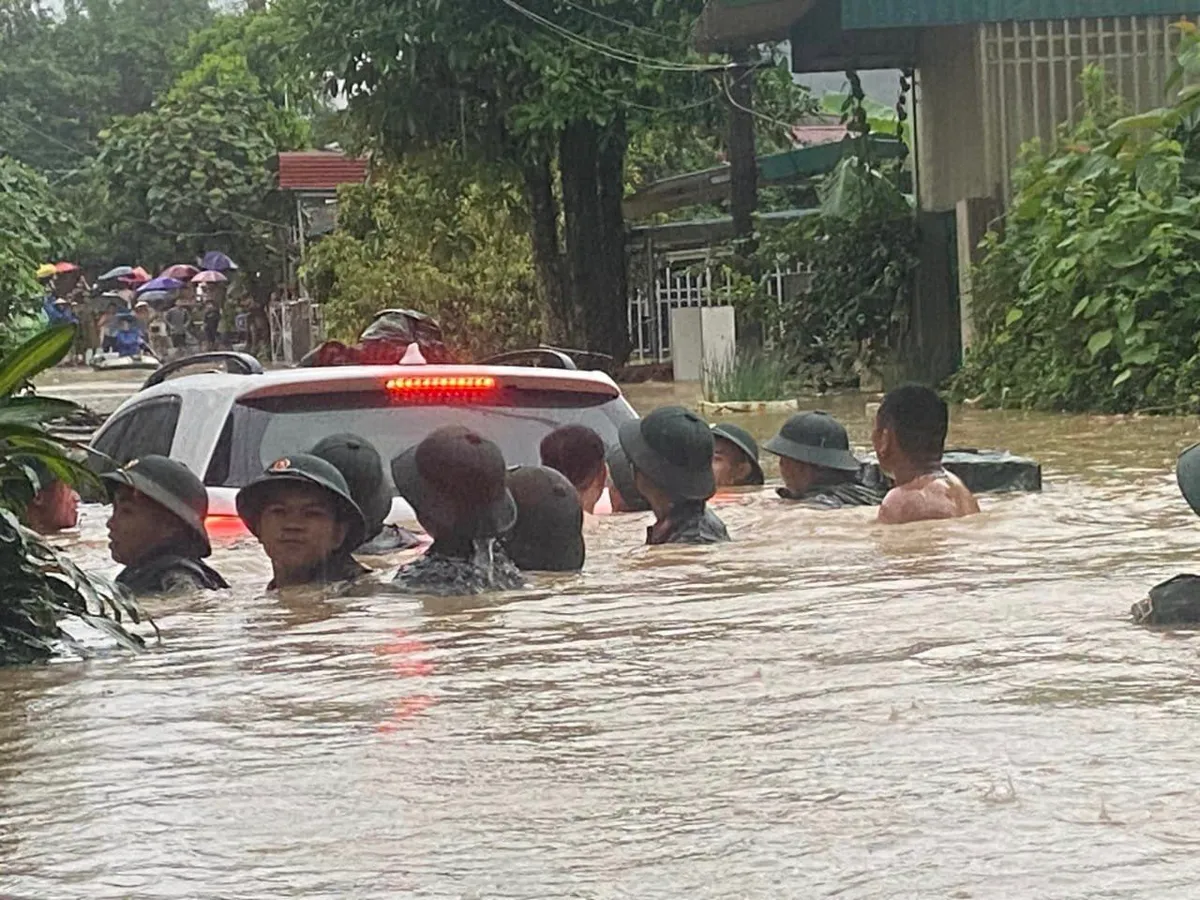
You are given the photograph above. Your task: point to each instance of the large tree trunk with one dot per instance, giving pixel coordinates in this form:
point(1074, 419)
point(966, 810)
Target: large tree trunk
point(577, 161)
point(547, 253)
point(612, 314)
point(592, 165)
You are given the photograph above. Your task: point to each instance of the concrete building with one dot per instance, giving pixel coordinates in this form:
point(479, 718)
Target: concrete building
point(989, 76)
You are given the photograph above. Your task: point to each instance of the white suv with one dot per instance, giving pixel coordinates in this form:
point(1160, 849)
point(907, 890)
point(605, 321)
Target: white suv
point(227, 427)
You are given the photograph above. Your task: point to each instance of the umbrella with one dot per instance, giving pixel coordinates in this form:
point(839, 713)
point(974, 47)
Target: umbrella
point(217, 262)
point(63, 268)
point(46, 270)
point(209, 278)
point(155, 298)
point(161, 284)
point(118, 272)
point(182, 271)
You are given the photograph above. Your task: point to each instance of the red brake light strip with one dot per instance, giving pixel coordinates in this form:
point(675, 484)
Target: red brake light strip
point(441, 383)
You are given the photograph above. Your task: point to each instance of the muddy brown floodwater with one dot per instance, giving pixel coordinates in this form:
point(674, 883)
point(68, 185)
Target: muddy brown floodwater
point(821, 709)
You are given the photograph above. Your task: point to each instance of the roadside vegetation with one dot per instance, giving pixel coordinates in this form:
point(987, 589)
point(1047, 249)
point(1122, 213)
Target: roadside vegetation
point(751, 375)
point(1089, 299)
point(44, 593)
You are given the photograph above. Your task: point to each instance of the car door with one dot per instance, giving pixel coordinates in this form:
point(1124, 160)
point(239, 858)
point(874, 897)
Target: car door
point(143, 429)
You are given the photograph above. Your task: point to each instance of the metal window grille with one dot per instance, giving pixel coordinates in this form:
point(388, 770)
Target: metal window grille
point(1031, 70)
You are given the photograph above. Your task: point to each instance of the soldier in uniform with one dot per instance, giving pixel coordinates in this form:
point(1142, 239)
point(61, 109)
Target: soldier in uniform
point(817, 466)
point(671, 452)
point(360, 464)
point(157, 528)
point(302, 513)
point(735, 457)
point(548, 536)
point(455, 481)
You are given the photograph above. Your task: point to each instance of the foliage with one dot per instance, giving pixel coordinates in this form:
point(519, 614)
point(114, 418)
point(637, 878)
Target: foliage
point(194, 173)
point(32, 230)
point(435, 234)
point(62, 79)
point(750, 375)
point(1090, 298)
point(41, 586)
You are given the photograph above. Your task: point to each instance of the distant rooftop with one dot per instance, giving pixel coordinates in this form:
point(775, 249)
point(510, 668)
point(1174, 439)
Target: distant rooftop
point(319, 170)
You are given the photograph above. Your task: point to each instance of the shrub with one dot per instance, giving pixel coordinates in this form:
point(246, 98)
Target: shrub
point(750, 376)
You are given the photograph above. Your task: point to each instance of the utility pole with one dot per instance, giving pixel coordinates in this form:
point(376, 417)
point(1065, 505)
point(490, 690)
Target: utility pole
point(738, 87)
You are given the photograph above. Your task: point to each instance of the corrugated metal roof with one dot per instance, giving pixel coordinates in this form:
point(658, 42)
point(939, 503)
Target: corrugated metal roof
point(319, 170)
point(858, 14)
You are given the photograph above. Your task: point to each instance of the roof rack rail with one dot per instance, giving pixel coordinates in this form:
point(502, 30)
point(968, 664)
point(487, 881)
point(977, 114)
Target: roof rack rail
point(540, 357)
point(235, 364)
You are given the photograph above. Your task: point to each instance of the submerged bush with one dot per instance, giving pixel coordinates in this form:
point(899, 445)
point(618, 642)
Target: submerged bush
point(1090, 299)
point(750, 376)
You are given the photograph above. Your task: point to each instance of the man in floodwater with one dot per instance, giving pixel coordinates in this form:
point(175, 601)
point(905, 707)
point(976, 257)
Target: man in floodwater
point(157, 528)
point(671, 452)
point(1177, 601)
point(455, 482)
point(817, 466)
point(548, 535)
point(360, 464)
point(301, 511)
point(910, 439)
point(578, 453)
point(735, 457)
point(55, 506)
point(622, 491)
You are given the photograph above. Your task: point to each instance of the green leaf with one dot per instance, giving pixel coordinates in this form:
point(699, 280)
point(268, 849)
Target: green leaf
point(1080, 307)
point(1099, 341)
point(1122, 378)
point(35, 355)
point(1014, 316)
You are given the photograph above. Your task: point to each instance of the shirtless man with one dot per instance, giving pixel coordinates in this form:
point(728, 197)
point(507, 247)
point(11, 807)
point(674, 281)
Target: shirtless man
point(910, 438)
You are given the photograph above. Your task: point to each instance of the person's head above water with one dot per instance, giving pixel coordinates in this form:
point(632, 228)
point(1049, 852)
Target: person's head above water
point(455, 482)
point(578, 453)
point(55, 505)
point(302, 513)
point(158, 504)
point(910, 429)
point(360, 464)
point(548, 536)
point(735, 457)
point(814, 451)
point(671, 451)
point(622, 491)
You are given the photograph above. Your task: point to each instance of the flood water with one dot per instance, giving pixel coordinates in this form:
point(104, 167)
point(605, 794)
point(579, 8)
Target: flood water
point(821, 709)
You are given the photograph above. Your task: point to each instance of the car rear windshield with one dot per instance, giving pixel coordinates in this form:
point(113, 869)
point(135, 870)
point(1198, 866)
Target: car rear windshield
point(259, 431)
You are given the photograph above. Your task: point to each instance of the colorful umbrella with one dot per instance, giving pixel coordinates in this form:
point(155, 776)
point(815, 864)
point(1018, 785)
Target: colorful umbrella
point(161, 284)
point(218, 262)
point(182, 271)
point(46, 270)
point(155, 298)
point(139, 276)
point(64, 268)
point(209, 278)
point(118, 272)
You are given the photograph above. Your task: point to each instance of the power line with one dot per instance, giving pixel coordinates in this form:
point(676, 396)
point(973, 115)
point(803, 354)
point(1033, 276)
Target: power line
point(42, 134)
point(779, 123)
point(604, 18)
point(623, 56)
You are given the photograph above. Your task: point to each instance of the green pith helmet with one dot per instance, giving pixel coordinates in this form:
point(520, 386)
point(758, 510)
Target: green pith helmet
point(815, 438)
point(302, 469)
point(673, 447)
point(171, 485)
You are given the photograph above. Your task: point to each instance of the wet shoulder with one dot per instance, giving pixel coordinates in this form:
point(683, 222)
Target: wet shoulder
point(933, 497)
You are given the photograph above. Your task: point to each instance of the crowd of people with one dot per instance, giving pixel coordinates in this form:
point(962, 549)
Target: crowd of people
point(316, 510)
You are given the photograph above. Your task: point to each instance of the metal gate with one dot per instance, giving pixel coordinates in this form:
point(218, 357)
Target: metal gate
point(1031, 71)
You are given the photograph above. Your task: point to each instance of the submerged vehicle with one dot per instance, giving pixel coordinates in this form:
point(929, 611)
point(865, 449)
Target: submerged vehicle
point(226, 426)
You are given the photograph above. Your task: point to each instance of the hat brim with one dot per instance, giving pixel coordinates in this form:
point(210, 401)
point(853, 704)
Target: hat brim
point(1187, 473)
point(756, 471)
point(429, 502)
point(132, 478)
point(676, 482)
point(825, 457)
point(252, 498)
point(620, 471)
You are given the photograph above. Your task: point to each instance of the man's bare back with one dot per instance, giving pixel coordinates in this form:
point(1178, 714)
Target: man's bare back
point(940, 495)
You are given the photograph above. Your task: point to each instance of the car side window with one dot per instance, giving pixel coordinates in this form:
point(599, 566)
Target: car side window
point(145, 429)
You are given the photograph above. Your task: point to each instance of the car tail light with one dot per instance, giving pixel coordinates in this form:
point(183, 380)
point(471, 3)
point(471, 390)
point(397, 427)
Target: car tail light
point(424, 385)
point(225, 527)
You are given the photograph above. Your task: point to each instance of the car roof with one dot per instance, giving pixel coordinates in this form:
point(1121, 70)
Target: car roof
point(282, 382)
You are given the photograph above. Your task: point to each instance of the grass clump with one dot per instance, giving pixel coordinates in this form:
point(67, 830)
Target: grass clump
point(751, 376)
